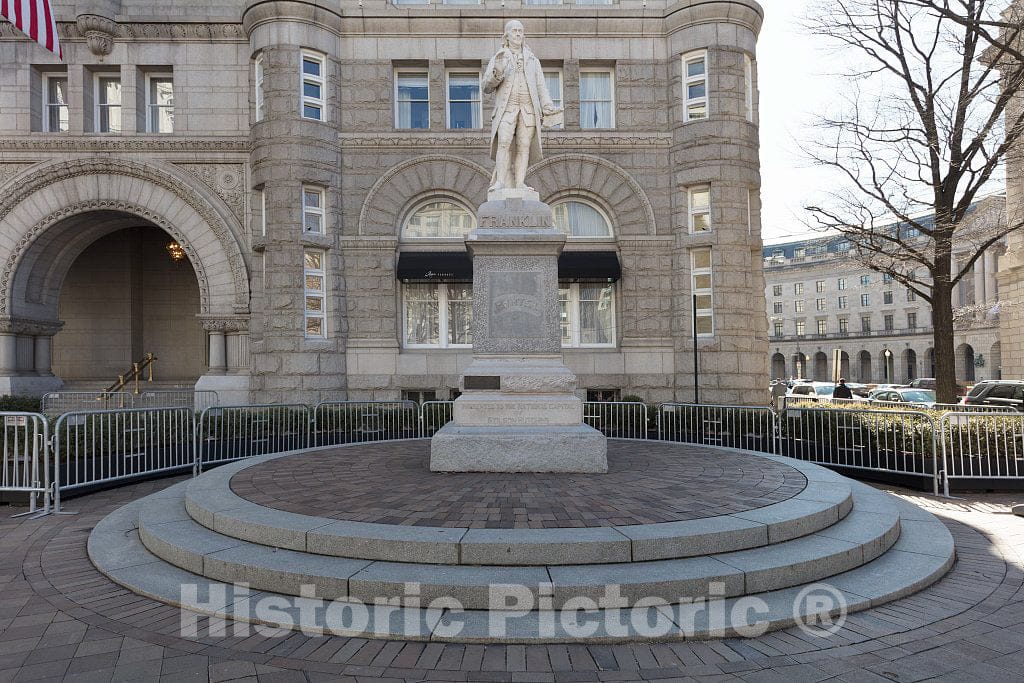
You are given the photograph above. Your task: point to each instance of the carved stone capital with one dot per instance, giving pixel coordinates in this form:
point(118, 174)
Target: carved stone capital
point(99, 33)
point(222, 324)
point(27, 326)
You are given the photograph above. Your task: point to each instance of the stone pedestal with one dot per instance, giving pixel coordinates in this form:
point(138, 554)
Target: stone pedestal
point(517, 412)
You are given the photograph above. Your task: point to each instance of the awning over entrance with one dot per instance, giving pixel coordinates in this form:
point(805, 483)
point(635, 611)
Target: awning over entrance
point(456, 266)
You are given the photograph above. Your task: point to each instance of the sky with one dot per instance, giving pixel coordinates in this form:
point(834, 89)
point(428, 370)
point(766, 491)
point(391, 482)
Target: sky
point(794, 82)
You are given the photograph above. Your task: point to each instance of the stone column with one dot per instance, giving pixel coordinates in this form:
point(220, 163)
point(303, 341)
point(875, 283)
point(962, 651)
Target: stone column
point(231, 382)
point(33, 376)
point(218, 353)
point(990, 276)
point(43, 357)
point(8, 353)
point(980, 296)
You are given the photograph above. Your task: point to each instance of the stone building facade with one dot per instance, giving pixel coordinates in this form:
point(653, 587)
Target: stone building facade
point(820, 299)
point(317, 163)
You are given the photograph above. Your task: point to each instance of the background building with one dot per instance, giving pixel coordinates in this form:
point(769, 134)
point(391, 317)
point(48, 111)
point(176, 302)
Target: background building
point(316, 164)
point(821, 298)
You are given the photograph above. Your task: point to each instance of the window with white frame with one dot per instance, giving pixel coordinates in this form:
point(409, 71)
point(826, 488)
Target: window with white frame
point(699, 206)
point(798, 288)
point(695, 86)
point(701, 288)
point(258, 84)
point(776, 290)
point(313, 83)
point(437, 315)
point(798, 306)
point(822, 327)
point(597, 98)
point(777, 307)
point(316, 294)
point(553, 80)
point(439, 219)
point(412, 99)
point(777, 329)
point(464, 109)
point(159, 103)
point(801, 328)
point(55, 103)
point(587, 314)
point(844, 326)
point(748, 80)
point(313, 209)
point(577, 218)
point(108, 103)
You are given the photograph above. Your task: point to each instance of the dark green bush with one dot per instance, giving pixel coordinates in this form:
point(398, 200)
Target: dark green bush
point(20, 404)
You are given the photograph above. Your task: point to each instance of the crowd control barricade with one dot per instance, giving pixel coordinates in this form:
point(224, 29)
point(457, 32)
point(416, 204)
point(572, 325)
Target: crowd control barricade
point(227, 433)
point(982, 446)
point(100, 447)
point(433, 416)
point(25, 463)
point(898, 441)
point(59, 402)
point(617, 419)
point(748, 427)
point(197, 400)
point(342, 422)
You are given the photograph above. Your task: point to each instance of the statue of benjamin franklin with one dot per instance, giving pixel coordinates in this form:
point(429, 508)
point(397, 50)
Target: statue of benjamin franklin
point(521, 102)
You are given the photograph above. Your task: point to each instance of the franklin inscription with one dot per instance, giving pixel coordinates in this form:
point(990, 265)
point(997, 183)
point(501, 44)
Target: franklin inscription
point(517, 308)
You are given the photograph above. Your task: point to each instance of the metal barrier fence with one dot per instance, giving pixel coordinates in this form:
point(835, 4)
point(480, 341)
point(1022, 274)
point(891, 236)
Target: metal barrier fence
point(25, 464)
point(747, 427)
point(792, 401)
point(433, 416)
point(227, 433)
point(618, 420)
point(901, 442)
point(99, 447)
point(982, 446)
point(60, 402)
point(341, 422)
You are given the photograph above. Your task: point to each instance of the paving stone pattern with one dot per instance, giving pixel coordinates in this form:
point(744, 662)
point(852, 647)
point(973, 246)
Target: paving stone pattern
point(391, 483)
point(61, 620)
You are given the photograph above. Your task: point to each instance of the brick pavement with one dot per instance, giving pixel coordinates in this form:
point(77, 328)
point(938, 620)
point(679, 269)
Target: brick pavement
point(62, 620)
point(391, 483)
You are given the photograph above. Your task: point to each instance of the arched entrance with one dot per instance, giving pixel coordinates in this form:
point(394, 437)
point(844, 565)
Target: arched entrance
point(864, 376)
point(909, 365)
point(778, 366)
point(844, 365)
point(820, 367)
point(965, 363)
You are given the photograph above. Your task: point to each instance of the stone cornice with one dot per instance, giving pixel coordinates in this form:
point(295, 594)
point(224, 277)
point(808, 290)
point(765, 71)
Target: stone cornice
point(479, 140)
point(142, 143)
point(221, 324)
point(46, 328)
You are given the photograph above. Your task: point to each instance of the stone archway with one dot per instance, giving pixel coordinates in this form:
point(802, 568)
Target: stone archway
point(778, 366)
point(909, 365)
point(820, 367)
point(864, 363)
point(50, 218)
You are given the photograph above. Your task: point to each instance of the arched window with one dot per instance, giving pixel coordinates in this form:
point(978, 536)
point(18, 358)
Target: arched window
point(579, 219)
point(439, 218)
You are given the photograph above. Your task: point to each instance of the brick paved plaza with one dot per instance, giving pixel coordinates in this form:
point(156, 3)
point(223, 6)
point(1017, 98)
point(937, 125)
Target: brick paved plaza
point(62, 620)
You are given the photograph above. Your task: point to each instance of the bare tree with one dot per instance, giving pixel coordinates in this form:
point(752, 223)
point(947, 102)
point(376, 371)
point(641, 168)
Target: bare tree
point(926, 123)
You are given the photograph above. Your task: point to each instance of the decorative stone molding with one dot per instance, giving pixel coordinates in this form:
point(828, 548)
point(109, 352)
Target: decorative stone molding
point(443, 174)
point(99, 33)
point(27, 326)
point(226, 180)
point(480, 141)
point(64, 170)
point(9, 170)
point(19, 251)
point(178, 31)
point(239, 324)
point(596, 177)
point(141, 143)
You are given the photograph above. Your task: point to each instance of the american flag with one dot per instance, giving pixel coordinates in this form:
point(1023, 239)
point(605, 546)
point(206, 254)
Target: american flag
point(35, 19)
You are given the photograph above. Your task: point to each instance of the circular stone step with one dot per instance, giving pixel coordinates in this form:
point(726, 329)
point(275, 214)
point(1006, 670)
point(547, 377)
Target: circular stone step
point(813, 499)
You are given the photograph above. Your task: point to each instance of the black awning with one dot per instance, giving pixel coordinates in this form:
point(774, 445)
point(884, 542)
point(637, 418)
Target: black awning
point(589, 265)
point(456, 266)
point(450, 266)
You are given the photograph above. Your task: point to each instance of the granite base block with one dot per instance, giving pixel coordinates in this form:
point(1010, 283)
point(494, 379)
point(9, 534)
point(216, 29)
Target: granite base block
point(578, 448)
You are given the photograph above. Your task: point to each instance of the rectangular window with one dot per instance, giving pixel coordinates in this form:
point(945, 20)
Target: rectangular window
point(55, 103)
point(842, 302)
point(316, 294)
point(748, 79)
point(597, 99)
point(819, 286)
point(819, 304)
point(822, 328)
point(886, 278)
point(258, 85)
point(777, 329)
point(888, 322)
point(313, 86)
point(844, 325)
point(464, 100)
point(841, 283)
point(699, 201)
point(887, 297)
point(553, 80)
point(701, 287)
point(438, 315)
point(801, 328)
point(412, 100)
point(313, 210)
point(865, 280)
point(261, 206)
point(911, 294)
point(865, 299)
point(108, 104)
point(798, 288)
point(798, 306)
point(159, 103)
point(419, 395)
point(865, 324)
point(695, 86)
point(912, 321)
point(587, 315)
point(778, 307)
point(777, 290)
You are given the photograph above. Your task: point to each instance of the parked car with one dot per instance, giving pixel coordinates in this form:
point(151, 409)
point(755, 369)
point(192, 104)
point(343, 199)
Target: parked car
point(812, 391)
point(921, 397)
point(929, 383)
point(859, 390)
point(997, 392)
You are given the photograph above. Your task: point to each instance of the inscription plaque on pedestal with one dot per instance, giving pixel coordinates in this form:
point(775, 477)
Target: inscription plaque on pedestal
point(516, 305)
